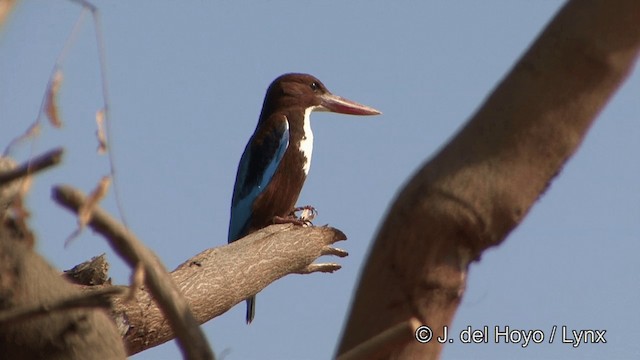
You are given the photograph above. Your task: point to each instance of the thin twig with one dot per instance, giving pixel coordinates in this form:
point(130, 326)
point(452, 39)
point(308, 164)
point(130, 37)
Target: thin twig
point(36, 164)
point(192, 341)
point(86, 299)
point(106, 102)
point(55, 69)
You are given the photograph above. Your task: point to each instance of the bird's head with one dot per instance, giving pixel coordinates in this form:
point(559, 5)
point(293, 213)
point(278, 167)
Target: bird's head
point(305, 91)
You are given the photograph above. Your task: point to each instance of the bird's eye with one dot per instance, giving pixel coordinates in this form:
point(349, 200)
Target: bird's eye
point(314, 86)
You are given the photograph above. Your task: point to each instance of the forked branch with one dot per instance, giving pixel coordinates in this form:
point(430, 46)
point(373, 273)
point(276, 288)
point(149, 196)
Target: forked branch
point(218, 278)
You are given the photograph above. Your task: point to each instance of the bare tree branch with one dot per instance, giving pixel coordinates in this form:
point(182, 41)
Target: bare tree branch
point(482, 184)
point(192, 341)
point(91, 272)
point(91, 298)
point(36, 164)
point(219, 278)
point(26, 280)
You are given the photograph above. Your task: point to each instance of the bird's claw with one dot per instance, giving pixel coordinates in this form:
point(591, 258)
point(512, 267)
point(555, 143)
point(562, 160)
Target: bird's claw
point(288, 220)
point(306, 207)
point(308, 213)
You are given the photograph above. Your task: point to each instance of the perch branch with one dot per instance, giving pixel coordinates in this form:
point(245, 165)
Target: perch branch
point(219, 278)
point(192, 340)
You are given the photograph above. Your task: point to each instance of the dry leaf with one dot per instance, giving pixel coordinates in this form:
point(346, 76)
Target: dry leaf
point(84, 214)
point(100, 133)
point(31, 132)
point(5, 8)
point(51, 107)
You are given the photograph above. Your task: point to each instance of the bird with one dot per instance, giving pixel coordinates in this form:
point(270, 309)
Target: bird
point(277, 157)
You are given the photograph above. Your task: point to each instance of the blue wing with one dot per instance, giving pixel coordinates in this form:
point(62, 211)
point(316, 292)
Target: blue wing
point(259, 162)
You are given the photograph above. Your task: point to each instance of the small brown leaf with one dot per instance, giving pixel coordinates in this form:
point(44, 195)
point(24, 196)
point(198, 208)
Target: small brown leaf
point(51, 107)
point(100, 133)
point(84, 214)
point(6, 6)
point(32, 132)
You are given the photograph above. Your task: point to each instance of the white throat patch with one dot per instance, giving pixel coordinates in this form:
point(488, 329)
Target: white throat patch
point(306, 144)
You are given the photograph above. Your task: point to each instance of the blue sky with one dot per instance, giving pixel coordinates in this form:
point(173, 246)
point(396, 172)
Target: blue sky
point(186, 82)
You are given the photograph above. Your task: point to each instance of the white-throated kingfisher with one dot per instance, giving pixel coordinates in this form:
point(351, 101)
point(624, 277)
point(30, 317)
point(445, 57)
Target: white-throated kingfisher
point(276, 160)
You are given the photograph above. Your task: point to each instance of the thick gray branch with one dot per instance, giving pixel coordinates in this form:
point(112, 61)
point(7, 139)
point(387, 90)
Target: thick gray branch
point(217, 279)
point(192, 341)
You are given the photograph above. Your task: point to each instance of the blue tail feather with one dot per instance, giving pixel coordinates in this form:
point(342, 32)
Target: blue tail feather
point(251, 309)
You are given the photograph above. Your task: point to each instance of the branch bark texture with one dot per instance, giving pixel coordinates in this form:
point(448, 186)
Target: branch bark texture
point(217, 279)
point(482, 184)
point(81, 331)
point(192, 341)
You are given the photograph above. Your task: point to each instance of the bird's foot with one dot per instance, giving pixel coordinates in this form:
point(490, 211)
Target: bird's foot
point(308, 213)
point(306, 207)
point(288, 220)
